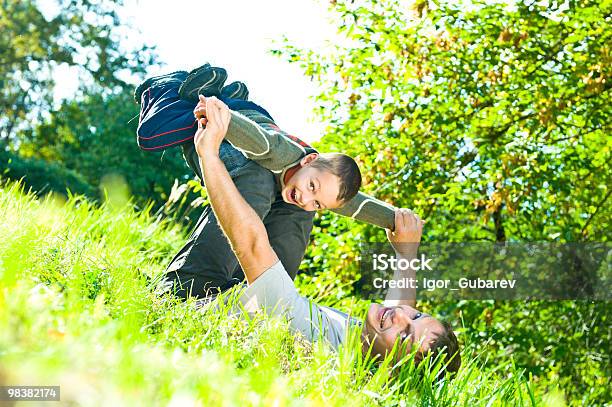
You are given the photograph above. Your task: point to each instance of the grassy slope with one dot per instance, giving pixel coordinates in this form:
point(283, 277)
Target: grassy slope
point(76, 310)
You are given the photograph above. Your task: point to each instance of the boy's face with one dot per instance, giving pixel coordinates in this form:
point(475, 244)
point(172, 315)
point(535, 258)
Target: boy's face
point(311, 188)
point(386, 325)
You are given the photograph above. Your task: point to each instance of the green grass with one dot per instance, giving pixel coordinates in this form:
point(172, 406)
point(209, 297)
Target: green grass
point(77, 309)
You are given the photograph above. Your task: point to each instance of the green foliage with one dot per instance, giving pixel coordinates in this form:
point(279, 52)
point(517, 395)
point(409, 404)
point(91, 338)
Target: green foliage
point(491, 121)
point(42, 176)
point(90, 138)
point(81, 34)
point(96, 137)
point(78, 309)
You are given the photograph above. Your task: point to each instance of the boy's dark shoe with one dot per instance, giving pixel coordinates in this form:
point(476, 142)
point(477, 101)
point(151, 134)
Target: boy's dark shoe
point(154, 80)
point(206, 80)
point(199, 68)
point(235, 90)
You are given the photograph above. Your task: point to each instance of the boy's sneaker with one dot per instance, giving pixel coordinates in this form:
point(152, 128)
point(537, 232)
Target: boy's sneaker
point(206, 65)
point(206, 80)
point(176, 76)
point(235, 90)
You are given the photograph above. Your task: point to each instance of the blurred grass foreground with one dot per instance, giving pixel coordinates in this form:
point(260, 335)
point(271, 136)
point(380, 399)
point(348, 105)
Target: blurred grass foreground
point(78, 309)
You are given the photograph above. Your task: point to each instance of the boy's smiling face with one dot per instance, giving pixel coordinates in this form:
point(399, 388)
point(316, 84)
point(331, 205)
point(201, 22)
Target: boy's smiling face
point(386, 325)
point(312, 188)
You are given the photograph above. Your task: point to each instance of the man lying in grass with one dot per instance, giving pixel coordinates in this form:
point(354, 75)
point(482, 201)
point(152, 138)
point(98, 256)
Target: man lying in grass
point(270, 288)
point(282, 178)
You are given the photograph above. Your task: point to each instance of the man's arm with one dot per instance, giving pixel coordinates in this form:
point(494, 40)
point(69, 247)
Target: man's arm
point(240, 223)
point(405, 241)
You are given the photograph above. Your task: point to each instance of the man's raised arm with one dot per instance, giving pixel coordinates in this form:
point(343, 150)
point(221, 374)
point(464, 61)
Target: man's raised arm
point(245, 231)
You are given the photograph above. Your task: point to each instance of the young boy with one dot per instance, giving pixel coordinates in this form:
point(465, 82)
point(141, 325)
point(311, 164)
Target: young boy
point(270, 288)
point(282, 178)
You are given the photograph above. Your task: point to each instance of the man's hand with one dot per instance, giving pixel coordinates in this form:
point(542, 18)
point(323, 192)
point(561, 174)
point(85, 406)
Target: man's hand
point(199, 112)
point(208, 139)
point(407, 234)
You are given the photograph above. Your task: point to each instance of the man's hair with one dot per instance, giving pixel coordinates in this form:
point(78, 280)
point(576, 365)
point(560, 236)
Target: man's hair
point(446, 343)
point(345, 168)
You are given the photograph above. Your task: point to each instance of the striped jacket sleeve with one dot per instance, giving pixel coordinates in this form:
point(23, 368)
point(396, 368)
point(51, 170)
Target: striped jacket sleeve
point(369, 209)
point(262, 141)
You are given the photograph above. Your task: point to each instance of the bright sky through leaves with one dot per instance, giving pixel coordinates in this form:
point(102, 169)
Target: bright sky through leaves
point(237, 35)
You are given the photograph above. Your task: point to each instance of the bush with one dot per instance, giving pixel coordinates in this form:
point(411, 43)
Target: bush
point(42, 176)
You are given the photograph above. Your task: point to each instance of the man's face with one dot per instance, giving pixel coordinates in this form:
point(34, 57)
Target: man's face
point(312, 189)
point(386, 325)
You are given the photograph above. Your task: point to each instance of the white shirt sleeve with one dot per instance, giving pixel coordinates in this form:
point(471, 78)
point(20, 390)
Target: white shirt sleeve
point(274, 292)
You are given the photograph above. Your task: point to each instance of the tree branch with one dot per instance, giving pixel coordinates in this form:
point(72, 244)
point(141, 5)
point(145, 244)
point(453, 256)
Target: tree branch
point(601, 204)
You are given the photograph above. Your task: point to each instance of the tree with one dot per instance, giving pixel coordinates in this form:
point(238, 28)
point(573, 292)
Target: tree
point(492, 122)
point(497, 116)
point(92, 135)
point(96, 137)
point(83, 34)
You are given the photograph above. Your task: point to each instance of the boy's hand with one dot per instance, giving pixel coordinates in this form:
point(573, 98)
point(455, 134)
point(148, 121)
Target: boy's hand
point(208, 139)
point(407, 234)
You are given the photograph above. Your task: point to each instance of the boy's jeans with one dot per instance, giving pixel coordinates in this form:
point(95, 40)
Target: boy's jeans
point(166, 120)
point(206, 263)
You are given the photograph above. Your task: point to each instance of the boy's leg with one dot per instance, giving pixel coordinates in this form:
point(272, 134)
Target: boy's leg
point(165, 120)
point(206, 263)
point(157, 80)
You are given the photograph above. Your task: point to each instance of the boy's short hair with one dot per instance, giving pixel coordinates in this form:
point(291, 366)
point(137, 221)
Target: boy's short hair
point(345, 168)
point(446, 343)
